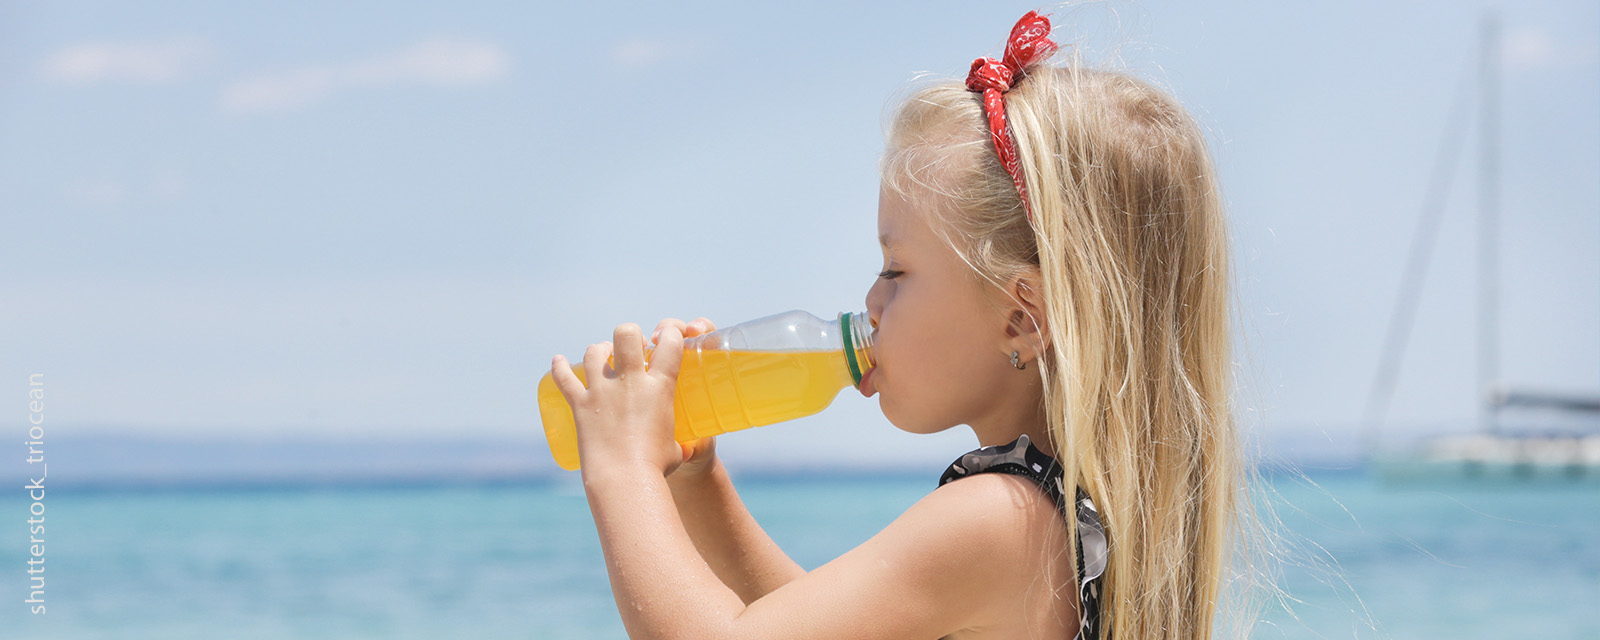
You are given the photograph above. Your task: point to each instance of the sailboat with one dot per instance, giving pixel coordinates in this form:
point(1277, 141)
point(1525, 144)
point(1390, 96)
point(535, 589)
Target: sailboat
point(1493, 453)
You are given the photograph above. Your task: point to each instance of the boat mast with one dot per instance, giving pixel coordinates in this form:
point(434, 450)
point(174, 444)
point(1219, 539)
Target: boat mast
point(1402, 317)
point(1423, 239)
point(1488, 203)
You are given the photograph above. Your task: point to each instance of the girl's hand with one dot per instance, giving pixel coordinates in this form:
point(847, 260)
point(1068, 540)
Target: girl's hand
point(624, 417)
point(700, 454)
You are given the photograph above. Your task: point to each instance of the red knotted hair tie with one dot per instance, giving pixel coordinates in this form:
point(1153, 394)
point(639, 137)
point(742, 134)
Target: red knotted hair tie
point(1029, 43)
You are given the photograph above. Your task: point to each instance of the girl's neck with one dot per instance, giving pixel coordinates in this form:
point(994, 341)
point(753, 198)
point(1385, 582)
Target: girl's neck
point(1017, 408)
point(1004, 430)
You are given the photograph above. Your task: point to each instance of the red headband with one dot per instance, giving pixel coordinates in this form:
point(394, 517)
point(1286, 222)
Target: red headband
point(1029, 43)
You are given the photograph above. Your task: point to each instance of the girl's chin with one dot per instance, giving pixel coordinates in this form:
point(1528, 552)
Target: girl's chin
point(922, 424)
point(922, 431)
point(912, 427)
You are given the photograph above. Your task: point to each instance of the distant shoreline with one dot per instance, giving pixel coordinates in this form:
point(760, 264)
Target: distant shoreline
point(96, 461)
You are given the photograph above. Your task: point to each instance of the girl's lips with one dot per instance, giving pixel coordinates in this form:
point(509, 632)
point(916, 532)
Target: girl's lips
point(867, 387)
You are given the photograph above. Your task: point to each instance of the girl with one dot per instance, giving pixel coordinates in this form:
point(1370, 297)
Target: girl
point(1056, 278)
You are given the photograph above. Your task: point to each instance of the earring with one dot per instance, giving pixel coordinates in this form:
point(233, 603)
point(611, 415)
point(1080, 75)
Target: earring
point(1015, 363)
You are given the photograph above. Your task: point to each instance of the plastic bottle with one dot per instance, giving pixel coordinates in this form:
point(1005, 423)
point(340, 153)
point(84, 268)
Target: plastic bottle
point(781, 367)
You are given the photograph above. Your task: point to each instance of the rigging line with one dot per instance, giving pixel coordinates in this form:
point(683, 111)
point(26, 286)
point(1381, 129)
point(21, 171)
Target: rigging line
point(1416, 269)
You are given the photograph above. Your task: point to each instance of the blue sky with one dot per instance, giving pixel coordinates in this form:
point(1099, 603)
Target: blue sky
point(294, 220)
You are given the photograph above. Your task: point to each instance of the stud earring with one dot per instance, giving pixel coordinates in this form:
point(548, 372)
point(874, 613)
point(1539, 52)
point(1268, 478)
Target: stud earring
point(1015, 363)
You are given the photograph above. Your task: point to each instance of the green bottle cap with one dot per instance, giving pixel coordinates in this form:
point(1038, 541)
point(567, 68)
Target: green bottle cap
point(849, 347)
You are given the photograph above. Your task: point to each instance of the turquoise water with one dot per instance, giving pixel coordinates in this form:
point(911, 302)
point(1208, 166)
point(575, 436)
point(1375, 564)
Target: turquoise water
point(1453, 561)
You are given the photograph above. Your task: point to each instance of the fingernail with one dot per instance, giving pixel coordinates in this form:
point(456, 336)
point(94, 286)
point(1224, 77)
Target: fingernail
point(655, 336)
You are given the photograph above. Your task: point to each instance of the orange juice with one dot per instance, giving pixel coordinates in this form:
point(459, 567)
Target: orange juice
point(720, 391)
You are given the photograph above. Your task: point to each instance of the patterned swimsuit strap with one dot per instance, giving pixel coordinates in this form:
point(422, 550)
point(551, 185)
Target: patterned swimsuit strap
point(1018, 458)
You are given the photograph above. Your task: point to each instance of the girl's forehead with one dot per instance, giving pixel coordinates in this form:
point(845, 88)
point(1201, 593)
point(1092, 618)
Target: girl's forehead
point(901, 226)
point(896, 220)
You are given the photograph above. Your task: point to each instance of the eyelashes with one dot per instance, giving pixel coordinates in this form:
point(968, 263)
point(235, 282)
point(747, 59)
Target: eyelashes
point(889, 274)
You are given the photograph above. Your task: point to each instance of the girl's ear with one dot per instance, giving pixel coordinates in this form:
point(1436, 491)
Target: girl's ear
point(1026, 322)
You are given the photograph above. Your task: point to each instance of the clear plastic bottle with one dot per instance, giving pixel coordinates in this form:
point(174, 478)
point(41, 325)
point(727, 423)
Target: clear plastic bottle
point(781, 367)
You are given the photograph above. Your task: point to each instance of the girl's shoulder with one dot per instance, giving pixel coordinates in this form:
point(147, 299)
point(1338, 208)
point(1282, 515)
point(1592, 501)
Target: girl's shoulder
point(1001, 517)
point(1028, 482)
point(995, 499)
point(971, 558)
point(962, 561)
point(1001, 542)
point(1010, 498)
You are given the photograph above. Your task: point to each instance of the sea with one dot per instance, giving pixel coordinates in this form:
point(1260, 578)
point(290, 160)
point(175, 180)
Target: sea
point(1345, 556)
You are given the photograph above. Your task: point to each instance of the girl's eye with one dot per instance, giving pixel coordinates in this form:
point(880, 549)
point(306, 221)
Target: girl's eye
point(889, 274)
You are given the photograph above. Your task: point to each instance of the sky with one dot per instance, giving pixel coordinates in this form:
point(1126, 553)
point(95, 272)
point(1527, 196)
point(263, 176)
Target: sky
point(293, 221)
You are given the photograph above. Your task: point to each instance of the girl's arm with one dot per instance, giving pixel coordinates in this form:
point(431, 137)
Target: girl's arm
point(957, 559)
point(742, 555)
point(950, 562)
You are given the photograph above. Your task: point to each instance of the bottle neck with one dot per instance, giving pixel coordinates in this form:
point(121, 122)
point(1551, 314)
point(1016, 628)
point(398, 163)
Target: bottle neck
point(856, 333)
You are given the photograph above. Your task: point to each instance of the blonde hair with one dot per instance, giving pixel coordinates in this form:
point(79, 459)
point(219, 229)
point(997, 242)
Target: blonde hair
point(1130, 247)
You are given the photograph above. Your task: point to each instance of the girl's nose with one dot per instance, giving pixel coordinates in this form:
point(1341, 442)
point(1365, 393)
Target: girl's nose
point(875, 302)
point(872, 311)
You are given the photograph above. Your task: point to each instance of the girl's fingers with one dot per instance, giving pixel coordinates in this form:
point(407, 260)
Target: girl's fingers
point(655, 338)
point(594, 360)
point(566, 381)
point(703, 448)
point(668, 356)
point(690, 329)
point(629, 348)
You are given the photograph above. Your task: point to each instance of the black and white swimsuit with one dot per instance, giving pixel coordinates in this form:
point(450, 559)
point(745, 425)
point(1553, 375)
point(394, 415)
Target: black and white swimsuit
point(1020, 457)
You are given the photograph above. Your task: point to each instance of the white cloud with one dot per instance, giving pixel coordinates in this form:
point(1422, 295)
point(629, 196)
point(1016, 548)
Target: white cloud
point(1530, 49)
point(1527, 48)
point(436, 61)
point(146, 62)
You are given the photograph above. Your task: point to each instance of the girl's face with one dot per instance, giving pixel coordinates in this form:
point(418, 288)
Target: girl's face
point(940, 357)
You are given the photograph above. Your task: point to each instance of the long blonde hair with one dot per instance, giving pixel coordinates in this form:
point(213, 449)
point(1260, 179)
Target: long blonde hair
point(1130, 243)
